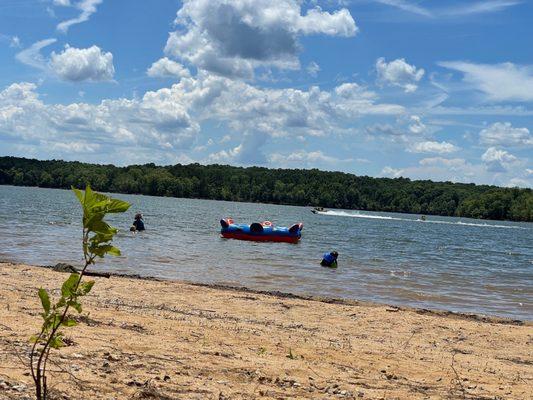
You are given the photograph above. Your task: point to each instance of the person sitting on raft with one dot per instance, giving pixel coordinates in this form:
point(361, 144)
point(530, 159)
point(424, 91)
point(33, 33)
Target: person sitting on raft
point(330, 260)
point(138, 223)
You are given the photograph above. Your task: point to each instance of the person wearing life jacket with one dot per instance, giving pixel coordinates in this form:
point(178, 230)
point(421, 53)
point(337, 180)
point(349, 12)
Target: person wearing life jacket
point(138, 223)
point(330, 260)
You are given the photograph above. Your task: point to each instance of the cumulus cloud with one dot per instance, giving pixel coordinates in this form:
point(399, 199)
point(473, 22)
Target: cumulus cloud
point(305, 159)
point(87, 8)
point(433, 147)
point(390, 172)
point(233, 38)
point(150, 122)
point(499, 82)
point(416, 126)
point(398, 73)
point(165, 68)
point(78, 65)
point(170, 118)
point(460, 170)
point(504, 134)
point(498, 160)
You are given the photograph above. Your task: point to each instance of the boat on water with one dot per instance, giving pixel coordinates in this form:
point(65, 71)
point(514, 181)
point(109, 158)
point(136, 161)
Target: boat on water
point(260, 231)
point(317, 210)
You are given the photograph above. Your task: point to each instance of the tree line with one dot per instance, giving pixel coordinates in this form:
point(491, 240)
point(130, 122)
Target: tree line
point(301, 187)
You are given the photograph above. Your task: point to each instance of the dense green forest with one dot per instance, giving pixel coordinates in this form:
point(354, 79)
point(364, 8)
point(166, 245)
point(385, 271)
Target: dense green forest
point(281, 186)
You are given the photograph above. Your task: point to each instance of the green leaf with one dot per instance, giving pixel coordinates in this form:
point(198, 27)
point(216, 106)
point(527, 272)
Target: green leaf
point(76, 305)
point(118, 206)
point(79, 194)
point(100, 226)
point(68, 286)
point(86, 287)
point(69, 322)
point(61, 302)
point(113, 251)
point(56, 342)
point(102, 250)
point(45, 300)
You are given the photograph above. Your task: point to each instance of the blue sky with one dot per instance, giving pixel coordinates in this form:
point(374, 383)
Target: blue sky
point(438, 90)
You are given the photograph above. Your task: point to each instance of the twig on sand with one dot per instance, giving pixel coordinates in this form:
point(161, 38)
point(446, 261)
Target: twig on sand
point(314, 372)
point(457, 377)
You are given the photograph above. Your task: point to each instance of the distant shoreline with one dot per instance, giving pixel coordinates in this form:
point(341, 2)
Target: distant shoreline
point(145, 338)
point(297, 187)
point(276, 204)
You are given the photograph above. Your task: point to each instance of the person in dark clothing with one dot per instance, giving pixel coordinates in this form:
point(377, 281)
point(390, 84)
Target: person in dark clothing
point(138, 224)
point(330, 260)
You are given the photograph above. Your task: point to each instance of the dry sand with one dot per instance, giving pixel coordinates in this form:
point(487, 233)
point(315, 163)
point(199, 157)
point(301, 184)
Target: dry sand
point(168, 340)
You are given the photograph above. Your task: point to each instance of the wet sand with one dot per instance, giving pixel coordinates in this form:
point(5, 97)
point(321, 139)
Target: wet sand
point(141, 338)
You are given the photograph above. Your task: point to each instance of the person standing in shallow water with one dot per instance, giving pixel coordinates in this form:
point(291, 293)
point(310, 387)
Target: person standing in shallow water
point(330, 260)
point(138, 223)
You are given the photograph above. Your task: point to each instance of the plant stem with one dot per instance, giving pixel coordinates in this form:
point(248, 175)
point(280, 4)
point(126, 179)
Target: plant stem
point(40, 376)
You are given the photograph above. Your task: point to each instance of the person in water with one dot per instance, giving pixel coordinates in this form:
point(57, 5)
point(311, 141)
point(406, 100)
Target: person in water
point(330, 260)
point(138, 223)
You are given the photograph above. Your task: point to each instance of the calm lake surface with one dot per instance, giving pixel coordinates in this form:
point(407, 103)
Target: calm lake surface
point(444, 263)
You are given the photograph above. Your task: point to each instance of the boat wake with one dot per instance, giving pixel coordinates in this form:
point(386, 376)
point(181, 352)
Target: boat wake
point(384, 217)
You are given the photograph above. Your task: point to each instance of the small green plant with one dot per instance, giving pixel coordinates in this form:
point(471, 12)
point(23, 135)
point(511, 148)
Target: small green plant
point(291, 355)
point(96, 242)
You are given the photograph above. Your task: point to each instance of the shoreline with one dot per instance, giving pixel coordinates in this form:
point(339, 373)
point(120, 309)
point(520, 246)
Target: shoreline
point(308, 206)
point(141, 337)
point(322, 299)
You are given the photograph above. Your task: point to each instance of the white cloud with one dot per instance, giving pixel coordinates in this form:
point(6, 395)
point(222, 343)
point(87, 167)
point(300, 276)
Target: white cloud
point(163, 121)
point(302, 158)
point(78, 65)
point(519, 182)
point(32, 55)
point(87, 8)
point(233, 38)
point(73, 147)
point(165, 68)
point(149, 123)
point(313, 69)
point(398, 73)
point(504, 134)
point(460, 170)
point(416, 125)
point(248, 152)
point(14, 42)
point(433, 147)
point(479, 7)
point(498, 160)
point(499, 82)
point(452, 163)
point(470, 8)
point(391, 172)
point(407, 6)
point(62, 3)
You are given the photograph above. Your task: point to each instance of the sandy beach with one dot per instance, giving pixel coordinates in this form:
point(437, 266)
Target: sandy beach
point(141, 338)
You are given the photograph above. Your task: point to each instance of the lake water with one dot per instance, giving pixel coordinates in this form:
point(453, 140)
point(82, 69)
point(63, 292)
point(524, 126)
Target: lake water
point(443, 263)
